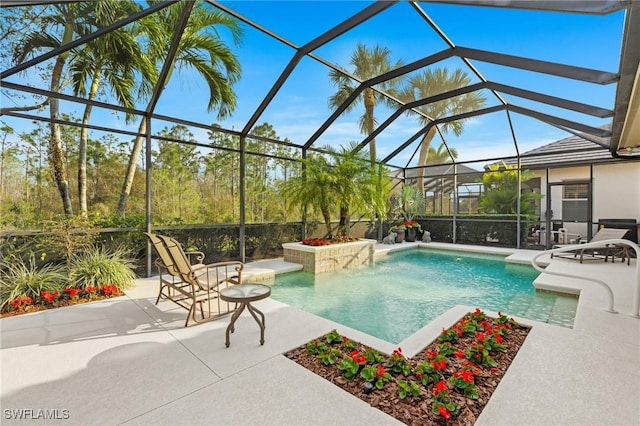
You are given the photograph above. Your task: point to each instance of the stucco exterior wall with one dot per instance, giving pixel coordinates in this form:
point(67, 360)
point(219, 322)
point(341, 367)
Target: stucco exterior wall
point(616, 191)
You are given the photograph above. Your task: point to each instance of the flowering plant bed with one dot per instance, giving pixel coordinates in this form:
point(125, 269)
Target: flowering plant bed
point(327, 241)
point(56, 299)
point(448, 382)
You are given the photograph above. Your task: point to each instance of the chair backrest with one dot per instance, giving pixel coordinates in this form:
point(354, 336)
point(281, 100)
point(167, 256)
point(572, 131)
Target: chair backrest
point(180, 260)
point(161, 249)
point(608, 234)
point(630, 224)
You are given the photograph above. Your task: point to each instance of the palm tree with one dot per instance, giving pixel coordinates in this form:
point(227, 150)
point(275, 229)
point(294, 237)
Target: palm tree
point(440, 155)
point(342, 178)
point(367, 64)
point(313, 187)
point(500, 195)
point(434, 82)
point(354, 184)
point(69, 17)
point(111, 60)
point(200, 49)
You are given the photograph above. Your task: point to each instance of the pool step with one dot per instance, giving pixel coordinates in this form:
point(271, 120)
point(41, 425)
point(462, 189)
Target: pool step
point(564, 311)
point(542, 307)
point(539, 309)
point(518, 305)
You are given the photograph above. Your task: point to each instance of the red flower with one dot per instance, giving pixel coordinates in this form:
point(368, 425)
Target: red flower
point(411, 224)
point(494, 370)
point(91, 289)
point(485, 324)
point(480, 337)
point(49, 296)
point(358, 358)
point(444, 412)
point(441, 386)
point(381, 371)
point(72, 292)
point(431, 354)
point(20, 300)
point(315, 242)
point(110, 289)
point(459, 353)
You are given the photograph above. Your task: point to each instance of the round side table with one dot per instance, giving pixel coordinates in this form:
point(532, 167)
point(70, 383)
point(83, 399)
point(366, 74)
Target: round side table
point(244, 294)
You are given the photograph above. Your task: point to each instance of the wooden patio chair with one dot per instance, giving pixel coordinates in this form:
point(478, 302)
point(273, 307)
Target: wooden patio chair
point(195, 287)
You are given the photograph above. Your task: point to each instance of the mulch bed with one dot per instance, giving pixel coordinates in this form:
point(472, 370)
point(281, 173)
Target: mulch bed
point(418, 410)
point(57, 304)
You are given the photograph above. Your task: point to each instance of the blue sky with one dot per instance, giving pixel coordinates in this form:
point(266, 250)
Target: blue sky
point(302, 104)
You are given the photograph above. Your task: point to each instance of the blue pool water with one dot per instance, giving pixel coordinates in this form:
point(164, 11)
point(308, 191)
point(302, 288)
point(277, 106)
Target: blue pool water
point(402, 293)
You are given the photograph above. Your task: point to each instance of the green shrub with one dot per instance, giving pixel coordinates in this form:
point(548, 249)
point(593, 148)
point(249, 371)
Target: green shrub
point(27, 279)
point(98, 266)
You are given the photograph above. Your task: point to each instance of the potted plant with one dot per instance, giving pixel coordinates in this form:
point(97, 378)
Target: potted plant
point(412, 227)
point(400, 231)
point(411, 202)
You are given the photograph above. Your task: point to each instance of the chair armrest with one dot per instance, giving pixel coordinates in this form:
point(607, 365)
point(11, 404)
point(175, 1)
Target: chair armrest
point(198, 255)
point(232, 271)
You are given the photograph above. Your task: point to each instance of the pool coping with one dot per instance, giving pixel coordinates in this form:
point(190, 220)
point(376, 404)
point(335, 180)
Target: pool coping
point(560, 376)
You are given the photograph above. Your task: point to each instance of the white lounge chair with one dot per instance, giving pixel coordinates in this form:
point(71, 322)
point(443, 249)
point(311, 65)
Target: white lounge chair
point(604, 252)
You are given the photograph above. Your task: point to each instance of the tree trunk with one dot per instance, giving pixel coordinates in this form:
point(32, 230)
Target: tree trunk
point(2, 152)
point(369, 104)
point(344, 220)
point(82, 149)
point(131, 168)
point(327, 220)
point(56, 153)
point(424, 156)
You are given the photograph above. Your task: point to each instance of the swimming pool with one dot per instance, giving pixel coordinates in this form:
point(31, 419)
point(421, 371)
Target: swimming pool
point(402, 293)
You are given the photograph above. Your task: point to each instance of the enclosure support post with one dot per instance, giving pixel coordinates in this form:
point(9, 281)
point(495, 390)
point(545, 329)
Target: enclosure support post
point(455, 202)
point(243, 165)
point(519, 203)
point(147, 195)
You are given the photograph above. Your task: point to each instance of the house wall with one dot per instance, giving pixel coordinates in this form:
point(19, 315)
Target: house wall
point(616, 191)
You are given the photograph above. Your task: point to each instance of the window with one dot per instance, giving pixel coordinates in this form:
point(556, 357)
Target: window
point(575, 202)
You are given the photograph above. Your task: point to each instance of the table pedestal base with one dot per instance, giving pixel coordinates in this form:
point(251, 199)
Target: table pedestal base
point(253, 311)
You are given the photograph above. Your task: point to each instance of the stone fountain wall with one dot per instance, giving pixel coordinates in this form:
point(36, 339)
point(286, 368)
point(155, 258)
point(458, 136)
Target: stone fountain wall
point(332, 257)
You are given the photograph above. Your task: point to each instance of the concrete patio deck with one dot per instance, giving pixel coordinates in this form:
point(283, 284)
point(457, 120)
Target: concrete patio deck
point(128, 361)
